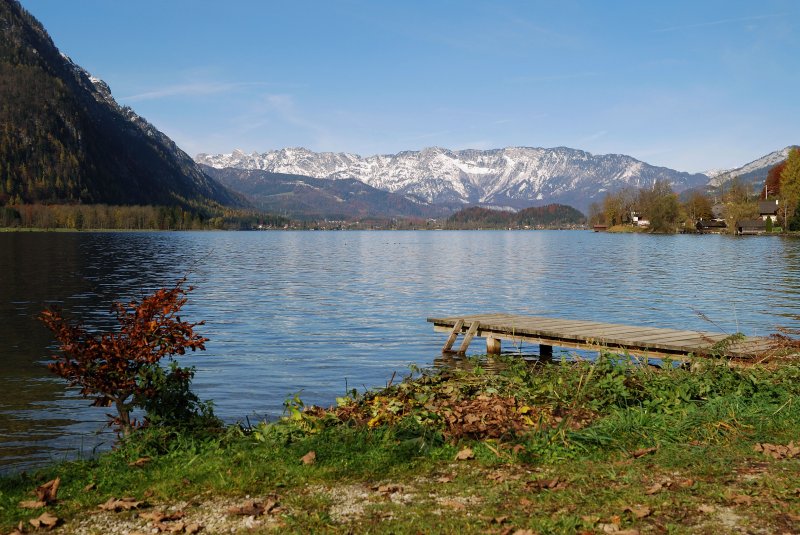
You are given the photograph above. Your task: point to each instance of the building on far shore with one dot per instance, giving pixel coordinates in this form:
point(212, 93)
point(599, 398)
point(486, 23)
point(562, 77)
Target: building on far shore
point(751, 226)
point(768, 210)
point(711, 226)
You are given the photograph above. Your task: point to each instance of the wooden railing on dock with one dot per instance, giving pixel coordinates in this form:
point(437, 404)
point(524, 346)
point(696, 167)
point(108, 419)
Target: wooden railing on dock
point(592, 335)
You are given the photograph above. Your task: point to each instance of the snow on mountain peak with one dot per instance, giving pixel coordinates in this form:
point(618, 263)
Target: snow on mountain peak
point(513, 176)
point(759, 166)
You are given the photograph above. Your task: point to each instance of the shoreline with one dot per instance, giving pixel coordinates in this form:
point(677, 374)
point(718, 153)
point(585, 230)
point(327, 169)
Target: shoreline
point(603, 447)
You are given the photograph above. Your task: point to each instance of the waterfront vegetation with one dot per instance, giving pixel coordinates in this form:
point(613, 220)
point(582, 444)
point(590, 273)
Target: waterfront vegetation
point(732, 201)
point(484, 446)
point(110, 217)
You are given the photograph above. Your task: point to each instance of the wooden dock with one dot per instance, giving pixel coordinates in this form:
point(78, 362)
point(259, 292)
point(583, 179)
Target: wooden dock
point(594, 336)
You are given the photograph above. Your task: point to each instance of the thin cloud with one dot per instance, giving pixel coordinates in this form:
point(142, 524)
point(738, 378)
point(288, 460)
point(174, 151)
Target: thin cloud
point(283, 105)
point(717, 23)
point(593, 137)
point(554, 77)
point(192, 89)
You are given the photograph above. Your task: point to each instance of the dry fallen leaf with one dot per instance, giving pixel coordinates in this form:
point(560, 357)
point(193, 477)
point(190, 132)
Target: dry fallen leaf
point(639, 511)
point(642, 452)
point(49, 491)
point(465, 455)
point(309, 458)
point(123, 504)
point(614, 528)
point(141, 461)
point(31, 504)
point(777, 451)
point(389, 489)
point(707, 509)
point(525, 502)
point(547, 484)
point(453, 504)
point(742, 499)
point(654, 489)
point(194, 527)
point(253, 508)
point(176, 527)
point(90, 486)
point(159, 516)
point(45, 520)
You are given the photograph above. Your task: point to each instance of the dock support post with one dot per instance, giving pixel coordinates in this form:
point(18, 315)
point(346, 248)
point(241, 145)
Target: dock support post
point(492, 345)
point(473, 328)
point(453, 335)
point(545, 352)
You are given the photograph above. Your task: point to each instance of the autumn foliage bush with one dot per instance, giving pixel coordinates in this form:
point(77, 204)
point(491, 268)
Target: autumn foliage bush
point(123, 368)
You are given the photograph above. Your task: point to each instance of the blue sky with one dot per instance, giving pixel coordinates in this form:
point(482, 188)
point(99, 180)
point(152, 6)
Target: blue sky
point(690, 85)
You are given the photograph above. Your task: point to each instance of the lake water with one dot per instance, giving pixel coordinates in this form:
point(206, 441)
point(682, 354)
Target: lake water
point(318, 312)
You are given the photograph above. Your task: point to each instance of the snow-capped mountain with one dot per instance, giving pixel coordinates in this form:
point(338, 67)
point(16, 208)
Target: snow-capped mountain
point(755, 171)
point(513, 176)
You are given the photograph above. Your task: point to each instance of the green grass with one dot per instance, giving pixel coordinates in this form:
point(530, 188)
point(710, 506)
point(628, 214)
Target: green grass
point(385, 460)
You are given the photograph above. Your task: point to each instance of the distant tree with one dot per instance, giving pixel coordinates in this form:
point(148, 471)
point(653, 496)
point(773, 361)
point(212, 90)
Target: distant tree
point(617, 206)
point(698, 206)
point(736, 191)
point(772, 185)
point(660, 206)
point(613, 210)
point(790, 189)
point(122, 368)
point(735, 212)
point(596, 215)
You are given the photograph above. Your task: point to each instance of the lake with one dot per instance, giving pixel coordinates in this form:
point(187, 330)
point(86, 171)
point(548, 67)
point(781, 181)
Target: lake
point(320, 312)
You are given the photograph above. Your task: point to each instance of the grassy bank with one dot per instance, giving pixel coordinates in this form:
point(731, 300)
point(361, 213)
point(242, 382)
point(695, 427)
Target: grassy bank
point(572, 447)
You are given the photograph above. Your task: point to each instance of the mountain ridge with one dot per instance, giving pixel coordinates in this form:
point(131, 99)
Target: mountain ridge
point(755, 171)
point(516, 177)
point(307, 197)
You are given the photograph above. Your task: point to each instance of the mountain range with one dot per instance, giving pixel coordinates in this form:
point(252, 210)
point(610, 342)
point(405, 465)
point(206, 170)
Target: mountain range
point(513, 177)
point(754, 172)
point(317, 198)
point(64, 139)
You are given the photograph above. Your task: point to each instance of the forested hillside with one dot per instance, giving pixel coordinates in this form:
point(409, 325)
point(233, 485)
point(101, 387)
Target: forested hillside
point(550, 216)
point(63, 138)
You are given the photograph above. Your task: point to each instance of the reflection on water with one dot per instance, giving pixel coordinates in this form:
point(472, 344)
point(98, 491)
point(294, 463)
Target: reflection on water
point(317, 312)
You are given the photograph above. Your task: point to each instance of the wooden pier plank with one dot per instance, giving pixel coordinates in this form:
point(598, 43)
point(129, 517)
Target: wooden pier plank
point(592, 334)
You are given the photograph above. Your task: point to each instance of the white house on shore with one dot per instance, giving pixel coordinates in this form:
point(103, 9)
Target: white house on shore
point(768, 210)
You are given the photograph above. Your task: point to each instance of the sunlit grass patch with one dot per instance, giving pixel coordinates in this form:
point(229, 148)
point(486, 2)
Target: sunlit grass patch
point(593, 446)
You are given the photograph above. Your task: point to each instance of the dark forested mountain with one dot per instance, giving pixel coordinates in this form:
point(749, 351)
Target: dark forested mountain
point(64, 139)
point(307, 197)
point(552, 215)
